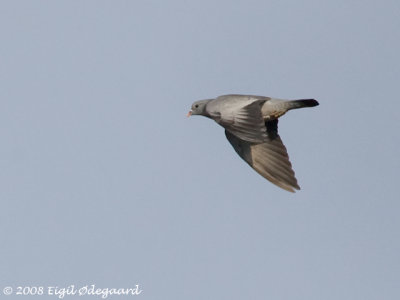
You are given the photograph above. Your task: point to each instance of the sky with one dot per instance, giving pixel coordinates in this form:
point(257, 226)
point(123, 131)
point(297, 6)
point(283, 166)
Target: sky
point(104, 181)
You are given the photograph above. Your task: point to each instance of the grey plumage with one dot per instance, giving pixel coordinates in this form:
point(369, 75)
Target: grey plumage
point(251, 126)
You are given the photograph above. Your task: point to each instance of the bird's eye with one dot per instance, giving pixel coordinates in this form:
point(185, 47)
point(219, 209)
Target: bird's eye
point(196, 106)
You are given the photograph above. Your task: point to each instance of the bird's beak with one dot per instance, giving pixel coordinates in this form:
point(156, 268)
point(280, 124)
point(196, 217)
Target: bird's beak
point(189, 114)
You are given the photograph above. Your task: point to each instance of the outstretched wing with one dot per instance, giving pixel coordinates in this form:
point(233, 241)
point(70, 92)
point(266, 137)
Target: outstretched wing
point(246, 123)
point(269, 159)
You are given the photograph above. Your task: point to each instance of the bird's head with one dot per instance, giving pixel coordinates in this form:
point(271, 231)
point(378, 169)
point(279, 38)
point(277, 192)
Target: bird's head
point(199, 108)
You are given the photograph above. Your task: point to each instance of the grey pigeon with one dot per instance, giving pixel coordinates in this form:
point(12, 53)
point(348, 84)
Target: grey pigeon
point(251, 126)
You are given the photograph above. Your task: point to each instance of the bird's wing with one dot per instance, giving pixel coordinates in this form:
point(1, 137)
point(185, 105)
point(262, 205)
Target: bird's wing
point(269, 159)
point(246, 123)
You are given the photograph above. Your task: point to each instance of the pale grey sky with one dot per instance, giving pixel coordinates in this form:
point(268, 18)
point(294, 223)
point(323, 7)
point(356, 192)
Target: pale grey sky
point(103, 180)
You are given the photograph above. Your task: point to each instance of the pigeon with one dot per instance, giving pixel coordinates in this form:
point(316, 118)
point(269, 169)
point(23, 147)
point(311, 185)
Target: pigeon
point(251, 127)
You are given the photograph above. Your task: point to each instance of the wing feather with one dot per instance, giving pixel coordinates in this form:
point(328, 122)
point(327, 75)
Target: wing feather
point(246, 123)
point(270, 158)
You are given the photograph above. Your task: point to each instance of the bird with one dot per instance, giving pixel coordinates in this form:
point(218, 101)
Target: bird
point(251, 127)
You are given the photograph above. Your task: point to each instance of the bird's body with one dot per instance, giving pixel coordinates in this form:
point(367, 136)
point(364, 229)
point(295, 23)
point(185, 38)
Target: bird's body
point(251, 126)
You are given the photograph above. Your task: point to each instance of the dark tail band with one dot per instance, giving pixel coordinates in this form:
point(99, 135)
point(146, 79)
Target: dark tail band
point(306, 102)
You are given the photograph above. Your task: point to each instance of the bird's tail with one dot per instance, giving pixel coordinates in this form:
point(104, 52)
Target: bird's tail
point(274, 108)
point(293, 104)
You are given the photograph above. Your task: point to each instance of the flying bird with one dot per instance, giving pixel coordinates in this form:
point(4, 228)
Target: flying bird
point(251, 126)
